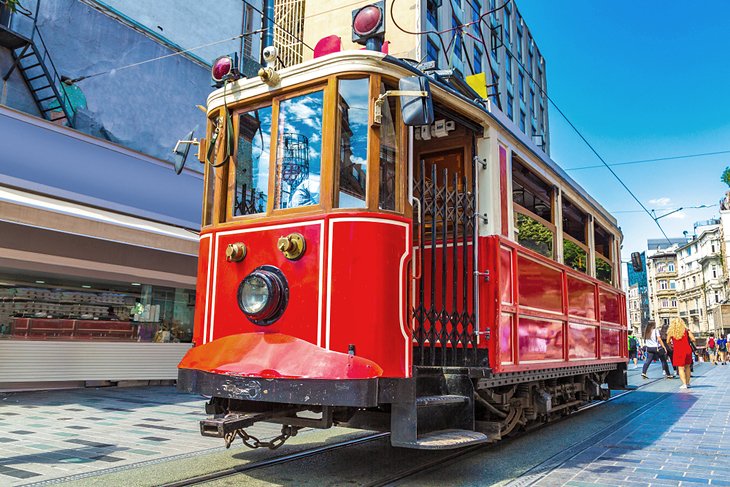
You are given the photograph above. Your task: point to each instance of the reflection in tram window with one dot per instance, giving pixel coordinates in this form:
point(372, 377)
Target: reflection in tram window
point(252, 162)
point(388, 153)
point(575, 243)
point(534, 235)
point(533, 199)
point(353, 120)
point(299, 151)
point(603, 240)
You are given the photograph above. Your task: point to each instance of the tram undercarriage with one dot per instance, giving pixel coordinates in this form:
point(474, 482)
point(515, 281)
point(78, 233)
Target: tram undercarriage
point(439, 408)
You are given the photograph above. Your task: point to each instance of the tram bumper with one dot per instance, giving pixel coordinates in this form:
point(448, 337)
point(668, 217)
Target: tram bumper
point(278, 368)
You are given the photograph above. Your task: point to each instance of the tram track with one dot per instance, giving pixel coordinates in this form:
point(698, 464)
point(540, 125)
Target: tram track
point(229, 472)
point(461, 453)
point(400, 475)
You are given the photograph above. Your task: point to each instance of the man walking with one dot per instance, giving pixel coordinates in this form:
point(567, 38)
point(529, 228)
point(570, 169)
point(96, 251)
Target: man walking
point(634, 348)
point(721, 343)
point(712, 349)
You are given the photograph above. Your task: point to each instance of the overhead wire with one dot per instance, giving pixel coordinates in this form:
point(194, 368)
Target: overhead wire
point(172, 54)
point(659, 159)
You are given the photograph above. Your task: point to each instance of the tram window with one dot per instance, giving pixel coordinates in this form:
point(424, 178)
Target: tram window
point(575, 243)
point(534, 235)
point(533, 210)
point(353, 127)
point(252, 162)
point(388, 153)
point(602, 242)
point(299, 151)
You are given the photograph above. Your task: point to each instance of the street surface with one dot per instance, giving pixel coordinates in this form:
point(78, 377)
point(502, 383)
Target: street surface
point(149, 436)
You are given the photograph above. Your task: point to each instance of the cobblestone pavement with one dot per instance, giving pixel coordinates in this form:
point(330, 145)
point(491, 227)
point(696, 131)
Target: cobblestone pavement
point(680, 438)
point(53, 434)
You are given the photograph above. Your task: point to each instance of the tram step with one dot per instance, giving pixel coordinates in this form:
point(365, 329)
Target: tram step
point(426, 401)
point(446, 440)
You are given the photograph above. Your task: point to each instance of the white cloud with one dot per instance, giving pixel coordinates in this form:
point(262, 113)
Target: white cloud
point(662, 202)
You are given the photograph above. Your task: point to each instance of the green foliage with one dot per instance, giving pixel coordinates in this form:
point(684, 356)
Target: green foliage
point(534, 235)
point(574, 256)
point(12, 4)
point(725, 178)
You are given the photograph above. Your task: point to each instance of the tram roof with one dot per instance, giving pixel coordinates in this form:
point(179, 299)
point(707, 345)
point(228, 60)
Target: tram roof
point(378, 63)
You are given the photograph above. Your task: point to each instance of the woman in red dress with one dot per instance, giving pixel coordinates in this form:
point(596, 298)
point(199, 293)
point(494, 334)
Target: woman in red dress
point(680, 336)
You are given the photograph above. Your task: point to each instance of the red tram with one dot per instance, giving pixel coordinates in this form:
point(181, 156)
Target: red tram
point(381, 251)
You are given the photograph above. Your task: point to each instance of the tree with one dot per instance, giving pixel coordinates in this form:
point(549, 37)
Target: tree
point(725, 178)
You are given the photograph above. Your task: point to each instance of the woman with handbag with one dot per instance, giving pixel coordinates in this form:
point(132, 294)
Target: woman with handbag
point(681, 339)
point(655, 350)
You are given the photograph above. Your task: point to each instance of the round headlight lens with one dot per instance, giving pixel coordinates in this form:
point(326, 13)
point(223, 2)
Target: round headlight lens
point(263, 295)
point(255, 294)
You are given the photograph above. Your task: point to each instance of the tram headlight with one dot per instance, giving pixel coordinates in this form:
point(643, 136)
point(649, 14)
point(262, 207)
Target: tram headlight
point(263, 295)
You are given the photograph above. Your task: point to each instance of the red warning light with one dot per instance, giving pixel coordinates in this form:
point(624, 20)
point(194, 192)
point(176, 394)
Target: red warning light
point(367, 20)
point(222, 67)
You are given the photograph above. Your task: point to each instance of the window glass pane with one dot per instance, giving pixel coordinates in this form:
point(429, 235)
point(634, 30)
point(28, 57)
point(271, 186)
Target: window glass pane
point(388, 154)
point(534, 235)
point(531, 192)
point(574, 255)
point(574, 221)
point(252, 162)
point(602, 241)
point(299, 151)
point(353, 116)
point(603, 271)
point(208, 195)
point(40, 307)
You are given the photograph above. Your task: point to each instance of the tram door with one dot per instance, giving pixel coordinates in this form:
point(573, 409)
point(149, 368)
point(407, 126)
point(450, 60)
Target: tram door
point(443, 293)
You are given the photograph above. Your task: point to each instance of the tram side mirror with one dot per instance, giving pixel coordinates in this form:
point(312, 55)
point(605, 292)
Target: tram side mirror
point(636, 262)
point(182, 149)
point(416, 110)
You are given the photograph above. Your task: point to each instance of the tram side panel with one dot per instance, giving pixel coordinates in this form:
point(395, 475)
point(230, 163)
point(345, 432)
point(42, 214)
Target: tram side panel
point(541, 314)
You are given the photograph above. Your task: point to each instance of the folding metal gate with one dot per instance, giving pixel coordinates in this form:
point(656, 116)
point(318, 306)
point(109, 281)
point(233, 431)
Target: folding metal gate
point(443, 305)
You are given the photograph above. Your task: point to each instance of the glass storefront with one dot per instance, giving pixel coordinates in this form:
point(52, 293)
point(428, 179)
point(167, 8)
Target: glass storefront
point(38, 307)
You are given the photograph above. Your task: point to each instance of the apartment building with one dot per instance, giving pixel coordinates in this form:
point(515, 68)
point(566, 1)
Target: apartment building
point(633, 299)
point(701, 280)
point(662, 284)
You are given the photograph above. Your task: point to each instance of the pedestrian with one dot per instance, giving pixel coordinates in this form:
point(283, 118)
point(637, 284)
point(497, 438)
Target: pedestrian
point(655, 349)
point(712, 349)
point(721, 343)
point(634, 348)
point(681, 339)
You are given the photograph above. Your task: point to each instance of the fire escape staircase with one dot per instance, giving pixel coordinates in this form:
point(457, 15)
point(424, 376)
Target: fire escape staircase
point(32, 59)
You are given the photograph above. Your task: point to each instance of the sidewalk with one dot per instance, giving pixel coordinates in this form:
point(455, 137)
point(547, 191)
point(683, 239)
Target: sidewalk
point(54, 434)
point(680, 438)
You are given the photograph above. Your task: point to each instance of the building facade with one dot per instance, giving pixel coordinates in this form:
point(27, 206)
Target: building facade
point(633, 300)
point(662, 285)
point(515, 70)
point(637, 280)
point(98, 245)
point(701, 278)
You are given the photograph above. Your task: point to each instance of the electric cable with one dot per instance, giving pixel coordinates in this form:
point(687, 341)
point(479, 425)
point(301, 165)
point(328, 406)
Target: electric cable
point(172, 54)
point(659, 159)
point(264, 17)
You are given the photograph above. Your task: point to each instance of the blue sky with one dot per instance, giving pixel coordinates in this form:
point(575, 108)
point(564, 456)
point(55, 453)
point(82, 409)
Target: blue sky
point(640, 80)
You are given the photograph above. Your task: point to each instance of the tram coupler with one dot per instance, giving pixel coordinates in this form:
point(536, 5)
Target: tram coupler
point(220, 427)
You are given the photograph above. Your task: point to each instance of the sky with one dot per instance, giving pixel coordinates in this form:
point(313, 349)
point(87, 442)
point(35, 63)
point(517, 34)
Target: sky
point(640, 80)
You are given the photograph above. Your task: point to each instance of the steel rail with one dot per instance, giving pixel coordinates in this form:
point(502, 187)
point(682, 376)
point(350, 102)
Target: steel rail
point(461, 453)
point(199, 479)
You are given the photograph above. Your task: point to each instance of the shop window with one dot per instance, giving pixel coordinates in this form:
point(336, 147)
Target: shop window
point(65, 309)
point(299, 151)
point(388, 153)
point(252, 162)
point(351, 180)
point(602, 241)
point(533, 210)
point(575, 245)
